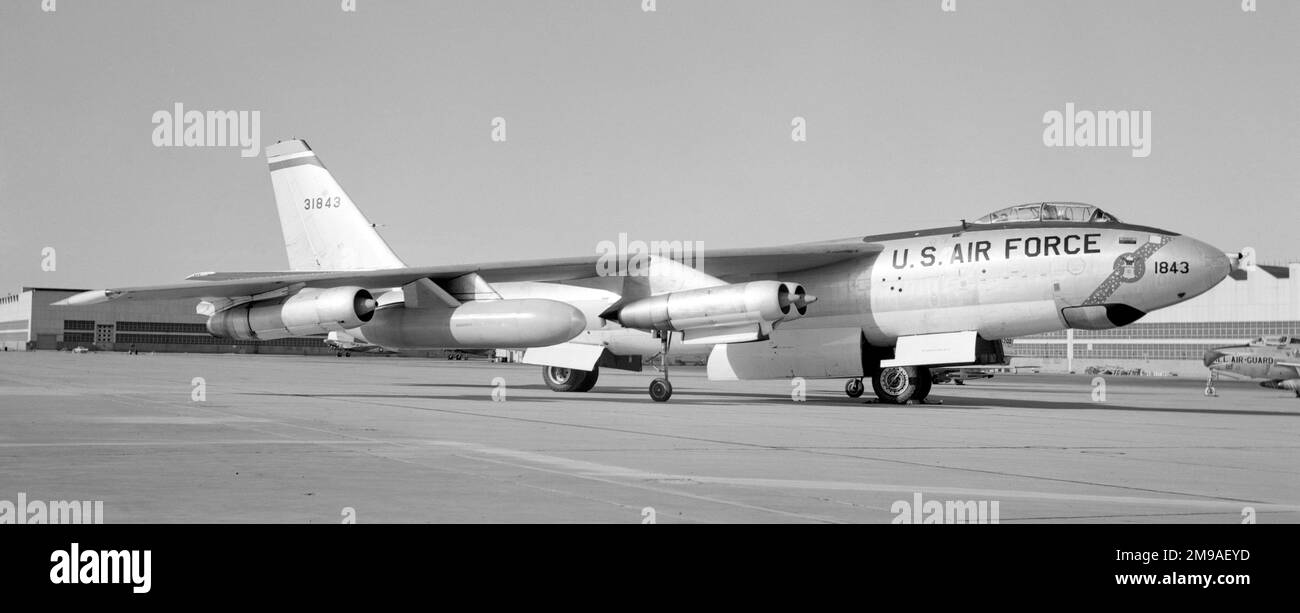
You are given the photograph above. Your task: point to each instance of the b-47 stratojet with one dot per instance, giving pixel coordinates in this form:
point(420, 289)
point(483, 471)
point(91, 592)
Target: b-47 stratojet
point(885, 307)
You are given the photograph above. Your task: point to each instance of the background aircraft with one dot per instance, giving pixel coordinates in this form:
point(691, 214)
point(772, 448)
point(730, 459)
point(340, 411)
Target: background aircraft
point(1274, 361)
point(888, 307)
point(345, 344)
point(959, 376)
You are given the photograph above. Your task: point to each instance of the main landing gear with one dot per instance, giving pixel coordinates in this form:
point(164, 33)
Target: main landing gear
point(562, 379)
point(661, 389)
point(895, 385)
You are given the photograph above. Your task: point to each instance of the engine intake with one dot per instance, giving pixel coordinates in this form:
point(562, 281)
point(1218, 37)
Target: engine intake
point(309, 311)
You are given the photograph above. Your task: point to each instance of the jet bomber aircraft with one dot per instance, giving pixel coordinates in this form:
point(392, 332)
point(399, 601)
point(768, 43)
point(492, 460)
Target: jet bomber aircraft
point(886, 307)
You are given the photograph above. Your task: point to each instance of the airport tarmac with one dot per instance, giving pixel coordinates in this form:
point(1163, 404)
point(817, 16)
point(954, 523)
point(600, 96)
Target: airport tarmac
point(301, 439)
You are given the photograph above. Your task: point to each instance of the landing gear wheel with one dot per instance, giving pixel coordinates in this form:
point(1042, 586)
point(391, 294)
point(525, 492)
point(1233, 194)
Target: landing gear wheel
point(854, 388)
point(661, 390)
point(899, 384)
point(589, 381)
point(567, 379)
point(339, 354)
point(924, 381)
point(347, 354)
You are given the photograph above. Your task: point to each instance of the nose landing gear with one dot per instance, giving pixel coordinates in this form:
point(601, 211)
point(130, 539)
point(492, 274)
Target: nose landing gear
point(854, 388)
point(1209, 384)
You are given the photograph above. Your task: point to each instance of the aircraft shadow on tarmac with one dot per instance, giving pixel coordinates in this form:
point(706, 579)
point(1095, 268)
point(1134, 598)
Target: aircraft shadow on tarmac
point(637, 395)
point(625, 395)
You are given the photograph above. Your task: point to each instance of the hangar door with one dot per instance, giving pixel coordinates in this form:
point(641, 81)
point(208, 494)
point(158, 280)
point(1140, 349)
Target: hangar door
point(103, 334)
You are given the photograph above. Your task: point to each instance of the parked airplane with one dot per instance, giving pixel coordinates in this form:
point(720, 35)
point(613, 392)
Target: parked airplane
point(344, 344)
point(960, 375)
point(888, 307)
point(1275, 361)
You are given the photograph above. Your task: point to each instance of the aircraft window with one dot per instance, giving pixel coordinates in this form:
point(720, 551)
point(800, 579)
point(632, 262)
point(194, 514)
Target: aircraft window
point(1048, 211)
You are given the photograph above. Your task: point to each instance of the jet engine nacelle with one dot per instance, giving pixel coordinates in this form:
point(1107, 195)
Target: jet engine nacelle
point(309, 311)
point(715, 307)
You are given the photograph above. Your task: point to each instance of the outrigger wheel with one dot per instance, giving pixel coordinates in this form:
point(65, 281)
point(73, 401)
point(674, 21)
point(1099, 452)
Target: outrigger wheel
point(900, 384)
point(854, 388)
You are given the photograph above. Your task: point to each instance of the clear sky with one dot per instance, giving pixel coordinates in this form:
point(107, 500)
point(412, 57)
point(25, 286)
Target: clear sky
point(666, 125)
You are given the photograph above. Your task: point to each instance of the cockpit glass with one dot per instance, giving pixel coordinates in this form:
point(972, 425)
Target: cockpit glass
point(1048, 211)
point(1272, 341)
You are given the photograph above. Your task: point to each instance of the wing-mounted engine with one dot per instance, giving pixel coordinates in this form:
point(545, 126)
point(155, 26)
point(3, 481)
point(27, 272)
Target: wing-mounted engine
point(309, 311)
point(732, 313)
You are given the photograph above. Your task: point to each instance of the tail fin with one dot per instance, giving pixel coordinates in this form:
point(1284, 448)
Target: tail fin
point(323, 228)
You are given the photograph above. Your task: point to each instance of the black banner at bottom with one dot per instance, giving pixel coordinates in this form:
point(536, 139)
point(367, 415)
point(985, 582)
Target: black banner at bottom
point(152, 563)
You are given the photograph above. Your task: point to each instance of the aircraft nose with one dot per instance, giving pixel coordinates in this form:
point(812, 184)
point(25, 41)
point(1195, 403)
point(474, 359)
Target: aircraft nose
point(1213, 356)
point(1206, 266)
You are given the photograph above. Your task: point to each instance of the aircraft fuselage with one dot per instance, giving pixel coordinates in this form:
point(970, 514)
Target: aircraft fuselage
point(1006, 280)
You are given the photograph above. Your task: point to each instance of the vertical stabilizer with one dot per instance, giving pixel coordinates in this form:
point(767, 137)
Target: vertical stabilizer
point(323, 229)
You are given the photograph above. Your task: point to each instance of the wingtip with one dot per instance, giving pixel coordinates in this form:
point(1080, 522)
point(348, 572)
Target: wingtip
point(97, 296)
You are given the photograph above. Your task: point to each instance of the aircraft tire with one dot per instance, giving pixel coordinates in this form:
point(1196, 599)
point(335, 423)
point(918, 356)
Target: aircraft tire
point(924, 381)
point(589, 381)
point(899, 384)
point(661, 390)
point(565, 379)
point(854, 388)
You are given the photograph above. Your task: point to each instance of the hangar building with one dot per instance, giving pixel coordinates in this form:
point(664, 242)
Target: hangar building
point(27, 321)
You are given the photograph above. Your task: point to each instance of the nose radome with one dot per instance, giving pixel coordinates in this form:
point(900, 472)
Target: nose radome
point(1213, 356)
point(1208, 267)
point(1216, 262)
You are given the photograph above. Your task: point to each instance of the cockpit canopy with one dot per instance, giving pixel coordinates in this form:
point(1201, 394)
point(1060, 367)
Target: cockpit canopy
point(1275, 341)
point(1048, 211)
